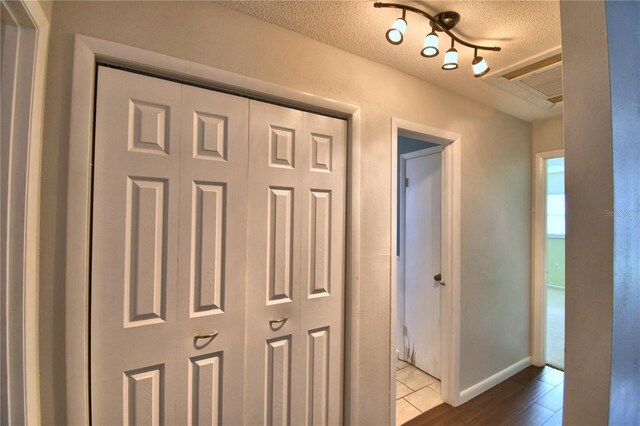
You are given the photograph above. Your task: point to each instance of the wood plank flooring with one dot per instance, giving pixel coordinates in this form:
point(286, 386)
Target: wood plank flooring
point(533, 397)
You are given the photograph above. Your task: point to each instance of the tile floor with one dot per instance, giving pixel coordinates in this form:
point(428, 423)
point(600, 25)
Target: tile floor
point(416, 392)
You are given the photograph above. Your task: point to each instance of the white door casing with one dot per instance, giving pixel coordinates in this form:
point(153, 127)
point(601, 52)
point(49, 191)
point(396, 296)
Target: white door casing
point(24, 41)
point(422, 244)
point(296, 274)
point(170, 164)
point(88, 50)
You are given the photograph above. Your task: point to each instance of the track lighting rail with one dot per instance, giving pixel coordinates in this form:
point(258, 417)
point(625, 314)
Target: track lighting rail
point(435, 24)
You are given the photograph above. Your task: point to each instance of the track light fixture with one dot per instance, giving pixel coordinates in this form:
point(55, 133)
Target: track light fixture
point(442, 22)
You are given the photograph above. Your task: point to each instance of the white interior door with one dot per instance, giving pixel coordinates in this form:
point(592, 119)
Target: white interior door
point(296, 267)
point(168, 256)
point(422, 258)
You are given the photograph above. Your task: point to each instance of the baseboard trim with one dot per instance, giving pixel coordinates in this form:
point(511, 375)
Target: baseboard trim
point(483, 386)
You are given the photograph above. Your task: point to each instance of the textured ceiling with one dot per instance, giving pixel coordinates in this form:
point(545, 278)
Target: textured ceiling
point(522, 28)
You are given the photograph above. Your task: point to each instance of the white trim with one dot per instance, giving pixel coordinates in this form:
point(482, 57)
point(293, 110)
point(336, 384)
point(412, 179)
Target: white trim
point(499, 377)
point(539, 258)
point(23, 212)
point(87, 51)
point(422, 152)
point(451, 227)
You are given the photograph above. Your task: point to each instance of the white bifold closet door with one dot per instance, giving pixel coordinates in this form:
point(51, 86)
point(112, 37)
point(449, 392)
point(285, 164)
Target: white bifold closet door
point(295, 288)
point(217, 274)
point(168, 258)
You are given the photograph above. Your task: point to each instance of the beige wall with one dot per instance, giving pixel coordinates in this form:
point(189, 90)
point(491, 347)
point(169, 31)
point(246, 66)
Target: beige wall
point(496, 177)
point(46, 7)
point(548, 135)
point(589, 184)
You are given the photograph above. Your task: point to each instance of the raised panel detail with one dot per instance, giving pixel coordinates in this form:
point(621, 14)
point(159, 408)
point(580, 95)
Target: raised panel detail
point(145, 251)
point(144, 396)
point(210, 134)
point(321, 152)
point(320, 243)
point(318, 377)
point(207, 248)
point(281, 147)
point(205, 389)
point(278, 389)
point(148, 127)
point(280, 245)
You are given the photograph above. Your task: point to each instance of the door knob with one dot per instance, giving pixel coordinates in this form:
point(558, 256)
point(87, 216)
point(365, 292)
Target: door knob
point(438, 277)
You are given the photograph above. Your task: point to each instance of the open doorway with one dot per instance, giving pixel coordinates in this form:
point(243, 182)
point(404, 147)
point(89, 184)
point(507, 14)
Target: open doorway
point(555, 262)
point(426, 151)
point(549, 260)
point(419, 278)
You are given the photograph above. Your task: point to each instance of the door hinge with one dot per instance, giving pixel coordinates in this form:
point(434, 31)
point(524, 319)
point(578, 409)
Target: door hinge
point(406, 182)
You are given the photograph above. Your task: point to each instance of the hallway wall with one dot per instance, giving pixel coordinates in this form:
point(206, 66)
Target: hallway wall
point(589, 189)
point(548, 135)
point(496, 177)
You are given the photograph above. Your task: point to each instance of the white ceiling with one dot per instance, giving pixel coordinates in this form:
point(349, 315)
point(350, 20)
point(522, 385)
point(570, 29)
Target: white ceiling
point(522, 28)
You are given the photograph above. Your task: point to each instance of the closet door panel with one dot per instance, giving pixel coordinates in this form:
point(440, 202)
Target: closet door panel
point(273, 293)
point(322, 265)
point(212, 265)
point(134, 248)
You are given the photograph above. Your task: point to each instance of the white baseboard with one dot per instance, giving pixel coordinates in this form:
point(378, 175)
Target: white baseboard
point(483, 386)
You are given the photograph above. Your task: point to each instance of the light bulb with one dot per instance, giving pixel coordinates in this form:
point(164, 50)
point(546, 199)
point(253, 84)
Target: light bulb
point(450, 59)
point(480, 66)
point(396, 32)
point(430, 46)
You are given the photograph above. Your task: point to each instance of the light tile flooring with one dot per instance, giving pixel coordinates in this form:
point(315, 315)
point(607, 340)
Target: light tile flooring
point(416, 392)
point(555, 327)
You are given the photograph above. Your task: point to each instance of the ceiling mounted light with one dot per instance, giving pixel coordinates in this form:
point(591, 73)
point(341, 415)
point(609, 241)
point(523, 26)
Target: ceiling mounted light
point(450, 58)
point(395, 35)
point(430, 47)
point(479, 65)
point(443, 22)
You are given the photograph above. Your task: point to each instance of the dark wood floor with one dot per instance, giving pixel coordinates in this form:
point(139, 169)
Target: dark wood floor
point(531, 397)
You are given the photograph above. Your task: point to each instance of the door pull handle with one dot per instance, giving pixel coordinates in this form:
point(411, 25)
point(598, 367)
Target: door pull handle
point(438, 277)
point(277, 324)
point(205, 336)
point(209, 338)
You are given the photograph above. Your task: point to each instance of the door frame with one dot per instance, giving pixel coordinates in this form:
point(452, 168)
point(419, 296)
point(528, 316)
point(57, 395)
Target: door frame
point(539, 257)
point(450, 243)
point(402, 206)
point(88, 51)
point(20, 247)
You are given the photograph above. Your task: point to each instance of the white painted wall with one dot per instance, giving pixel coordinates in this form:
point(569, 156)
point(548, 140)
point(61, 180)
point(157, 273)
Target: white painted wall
point(548, 135)
point(496, 177)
